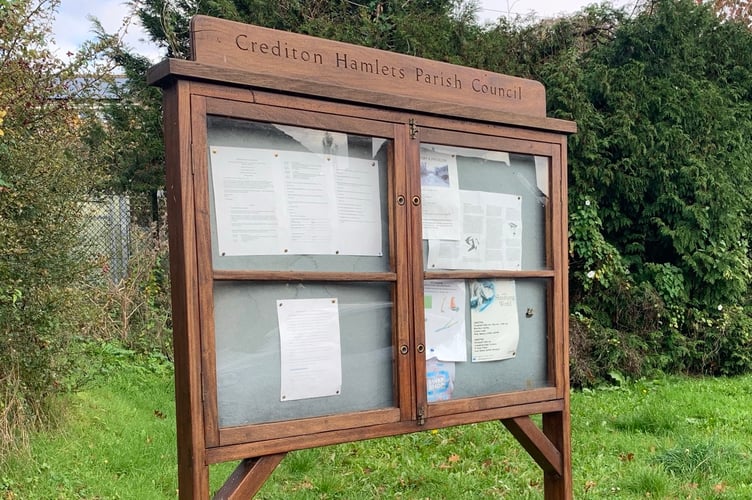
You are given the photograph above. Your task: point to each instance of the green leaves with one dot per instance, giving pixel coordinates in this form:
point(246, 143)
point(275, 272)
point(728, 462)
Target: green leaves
point(46, 173)
point(660, 168)
point(667, 165)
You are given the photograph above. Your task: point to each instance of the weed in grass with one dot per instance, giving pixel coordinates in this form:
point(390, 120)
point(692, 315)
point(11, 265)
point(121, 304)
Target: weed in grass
point(693, 461)
point(301, 462)
point(648, 482)
point(329, 486)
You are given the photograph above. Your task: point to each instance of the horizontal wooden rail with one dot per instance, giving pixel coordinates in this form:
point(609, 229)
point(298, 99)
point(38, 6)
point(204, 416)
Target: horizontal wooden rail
point(227, 275)
point(448, 275)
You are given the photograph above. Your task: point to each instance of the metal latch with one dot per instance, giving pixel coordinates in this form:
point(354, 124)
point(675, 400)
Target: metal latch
point(421, 416)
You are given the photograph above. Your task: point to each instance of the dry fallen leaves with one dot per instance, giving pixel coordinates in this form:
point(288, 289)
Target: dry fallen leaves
point(453, 458)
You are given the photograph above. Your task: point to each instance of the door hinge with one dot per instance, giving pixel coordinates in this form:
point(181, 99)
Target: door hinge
point(421, 416)
point(413, 128)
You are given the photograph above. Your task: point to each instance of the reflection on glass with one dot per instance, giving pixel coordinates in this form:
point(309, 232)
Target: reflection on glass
point(485, 337)
point(294, 198)
point(483, 209)
point(249, 350)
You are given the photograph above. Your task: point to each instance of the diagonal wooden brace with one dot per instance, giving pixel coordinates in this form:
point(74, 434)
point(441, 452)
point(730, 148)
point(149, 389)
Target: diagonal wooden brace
point(536, 443)
point(248, 477)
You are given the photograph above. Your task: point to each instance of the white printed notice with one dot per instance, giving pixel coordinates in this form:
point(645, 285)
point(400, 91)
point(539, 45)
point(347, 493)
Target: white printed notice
point(270, 202)
point(491, 234)
point(310, 352)
point(440, 205)
point(445, 305)
point(493, 318)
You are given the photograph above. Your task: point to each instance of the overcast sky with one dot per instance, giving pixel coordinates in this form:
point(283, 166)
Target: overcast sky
point(72, 27)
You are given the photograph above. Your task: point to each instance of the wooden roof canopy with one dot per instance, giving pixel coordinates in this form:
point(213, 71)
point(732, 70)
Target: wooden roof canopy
point(245, 55)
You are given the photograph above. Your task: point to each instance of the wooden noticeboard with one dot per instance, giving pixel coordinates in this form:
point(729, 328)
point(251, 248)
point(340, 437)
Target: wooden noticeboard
point(362, 244)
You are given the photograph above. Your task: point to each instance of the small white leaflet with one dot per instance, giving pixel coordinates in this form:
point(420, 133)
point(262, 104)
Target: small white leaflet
point(440, 205)
point(310, 351)
point(445, 304)
point(439, 380)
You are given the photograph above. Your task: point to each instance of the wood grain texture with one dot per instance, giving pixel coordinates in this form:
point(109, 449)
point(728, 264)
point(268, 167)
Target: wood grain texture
point(193, 476)
point(272, 446)
point(535, 442)
point(405, 374)
point(169, 69)
point(276, 53)
point(312, 425)
point(248, 477)
point(205, 291)
point(556, 426)
point(300, 276)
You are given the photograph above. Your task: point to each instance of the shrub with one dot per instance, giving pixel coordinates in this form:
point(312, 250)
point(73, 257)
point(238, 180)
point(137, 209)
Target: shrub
point(663, 153)
point(46, 171)
point(137, 307)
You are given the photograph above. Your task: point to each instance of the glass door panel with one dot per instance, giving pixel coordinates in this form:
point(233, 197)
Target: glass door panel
point(251, 374)
point(297, 199)
point(488, 274)
point(284, 202)
point(483, 210)
point(485, 336)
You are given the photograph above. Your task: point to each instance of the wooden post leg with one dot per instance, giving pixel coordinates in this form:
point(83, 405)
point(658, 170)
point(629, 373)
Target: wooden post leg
point(550, 450)
point(248, 477)
point(556, 426)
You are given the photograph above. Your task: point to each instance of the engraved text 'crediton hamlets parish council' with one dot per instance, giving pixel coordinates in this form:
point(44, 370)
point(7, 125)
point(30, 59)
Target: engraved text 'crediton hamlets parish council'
point(345, 62)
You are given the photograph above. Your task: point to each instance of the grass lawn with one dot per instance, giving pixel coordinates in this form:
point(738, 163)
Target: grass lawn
point(683, 438)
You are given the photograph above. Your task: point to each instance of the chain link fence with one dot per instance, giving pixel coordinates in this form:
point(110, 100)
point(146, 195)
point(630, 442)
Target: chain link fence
point(108, 221)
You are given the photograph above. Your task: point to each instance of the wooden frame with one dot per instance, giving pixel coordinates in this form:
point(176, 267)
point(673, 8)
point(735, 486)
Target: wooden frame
point(447, 111)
